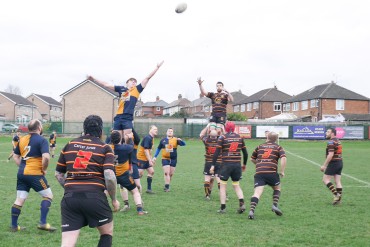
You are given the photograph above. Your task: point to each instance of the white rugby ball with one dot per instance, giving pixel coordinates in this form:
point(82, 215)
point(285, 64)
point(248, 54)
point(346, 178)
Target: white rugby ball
point(181, 8)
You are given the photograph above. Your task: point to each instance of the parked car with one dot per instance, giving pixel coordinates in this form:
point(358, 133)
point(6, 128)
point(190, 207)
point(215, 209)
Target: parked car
point(14, 127)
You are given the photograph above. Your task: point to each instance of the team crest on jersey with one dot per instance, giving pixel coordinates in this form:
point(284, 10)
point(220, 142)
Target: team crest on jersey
point(169, 148)
point(125, 96)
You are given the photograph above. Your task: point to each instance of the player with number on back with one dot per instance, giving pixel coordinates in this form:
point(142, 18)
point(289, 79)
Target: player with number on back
point(88, 164)
point(266, 157)
point(230, 145)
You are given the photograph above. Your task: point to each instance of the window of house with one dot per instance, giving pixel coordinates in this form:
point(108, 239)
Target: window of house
point(287, 107)
point(304, 105)
point(314, 103)
point(158, 109)
point(295, 106)
point(249, 106)
point(339, 104)
point(255, 105)
point(277, 106)
point(236, 108)
point(242, 108)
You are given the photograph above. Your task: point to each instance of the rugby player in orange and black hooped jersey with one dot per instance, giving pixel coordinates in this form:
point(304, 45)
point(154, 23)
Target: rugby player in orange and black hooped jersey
point(219, 104)
point(210, 139)
point(266, 158)
point(128, 96)
point(15, 142)
point(85, 169)
point(333, 165)
point(229, 146)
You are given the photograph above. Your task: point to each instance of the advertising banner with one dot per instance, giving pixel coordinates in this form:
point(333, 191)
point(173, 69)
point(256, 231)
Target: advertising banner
point(350, 132)
point(245, 131)
point(309, 132)
point(283, 131)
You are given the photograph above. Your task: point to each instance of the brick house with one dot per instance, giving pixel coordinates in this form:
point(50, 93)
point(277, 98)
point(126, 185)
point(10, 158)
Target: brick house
point(153, 109)
point(263, 104)
point(326, 100)
point(16, 108)
point(49, 108)
point(238, 97)
point(176, 106)
point(89, 97)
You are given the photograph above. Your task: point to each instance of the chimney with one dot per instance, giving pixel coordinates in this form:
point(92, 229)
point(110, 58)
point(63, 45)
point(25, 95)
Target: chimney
point(180, 96)
point(157, 98)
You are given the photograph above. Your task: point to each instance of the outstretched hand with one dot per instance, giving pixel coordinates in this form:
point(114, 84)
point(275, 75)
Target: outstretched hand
point(160, 64)
point(199, 80)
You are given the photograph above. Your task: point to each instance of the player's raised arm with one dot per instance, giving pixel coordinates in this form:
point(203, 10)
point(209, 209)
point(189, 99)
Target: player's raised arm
point(202, 90)
point(105, 84)
point(146, 80)
point(230, 97)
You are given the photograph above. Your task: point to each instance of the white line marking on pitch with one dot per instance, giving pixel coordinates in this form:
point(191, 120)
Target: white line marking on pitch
point(317, 164)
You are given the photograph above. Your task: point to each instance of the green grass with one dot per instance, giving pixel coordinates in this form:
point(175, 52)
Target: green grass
point(183, 218)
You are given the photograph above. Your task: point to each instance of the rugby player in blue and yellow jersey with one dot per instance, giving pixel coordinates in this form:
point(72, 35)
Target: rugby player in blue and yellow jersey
point(128, 94)
point(219, 104)
point(85, 169)
point(333, 165)
point(144, 157)
point(123, 167)
point(32, 156)
point(168, 145)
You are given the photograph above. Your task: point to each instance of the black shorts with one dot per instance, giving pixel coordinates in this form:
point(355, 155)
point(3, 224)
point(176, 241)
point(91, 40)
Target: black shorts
point(208, 165)
point(126, 181)
point(218, 119)
point(262, 179)
point(233, 170)
point(334, 168)
point(82, 209)
point(52, 145)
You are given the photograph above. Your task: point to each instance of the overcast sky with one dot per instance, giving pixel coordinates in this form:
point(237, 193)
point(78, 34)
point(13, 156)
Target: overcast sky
point(48, 47)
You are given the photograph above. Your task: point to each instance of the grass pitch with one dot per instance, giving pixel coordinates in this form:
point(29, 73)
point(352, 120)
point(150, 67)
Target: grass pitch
point(183, 218)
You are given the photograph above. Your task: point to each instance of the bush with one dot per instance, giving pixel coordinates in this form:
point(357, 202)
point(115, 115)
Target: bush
point(236, 117)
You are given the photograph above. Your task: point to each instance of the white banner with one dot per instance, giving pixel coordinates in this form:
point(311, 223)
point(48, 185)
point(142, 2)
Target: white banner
point(282, 131)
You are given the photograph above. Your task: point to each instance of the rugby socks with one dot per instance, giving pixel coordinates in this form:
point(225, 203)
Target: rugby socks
point(218, 186)
point(206, 188)
point(105, 240)
point(223, 206)
point(125, 202)
point(167, 186)
point(340, 191)
point(149, 180)
point(331, 188)
point(254, 202)
point(15, 211)
point(45, 205)
point(275, 197)
point(241, 202)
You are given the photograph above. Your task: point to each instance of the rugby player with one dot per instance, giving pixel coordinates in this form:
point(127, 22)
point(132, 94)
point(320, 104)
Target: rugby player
point(15, 141)
point(333, 165)
point(32, 157)
point(168, 146)
point(266, 158)
point(85, 169)
point(53, 142)
point(144, 157)
point(229, 146)
point(219, 104)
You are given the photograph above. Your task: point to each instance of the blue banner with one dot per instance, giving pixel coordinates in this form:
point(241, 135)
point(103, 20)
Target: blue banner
point(309, 132)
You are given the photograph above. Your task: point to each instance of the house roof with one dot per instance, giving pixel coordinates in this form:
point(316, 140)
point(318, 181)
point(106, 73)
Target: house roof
point(96, 83)
point(178, 102)
point(17, 99)
point(266, 95)
point(159, 103)
point(204, 101)
point(48, 100)
point(238, 97)
point(327, 91)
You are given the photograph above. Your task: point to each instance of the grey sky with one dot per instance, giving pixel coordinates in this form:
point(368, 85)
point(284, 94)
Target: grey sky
point(49, 47)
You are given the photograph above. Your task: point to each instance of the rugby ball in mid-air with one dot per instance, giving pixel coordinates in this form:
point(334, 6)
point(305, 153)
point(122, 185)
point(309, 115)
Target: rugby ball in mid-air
point(181, 8)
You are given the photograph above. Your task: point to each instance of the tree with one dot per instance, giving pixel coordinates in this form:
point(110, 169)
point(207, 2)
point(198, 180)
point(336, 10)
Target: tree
point(236, 117)
point(13, 90)
point(180, 114)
